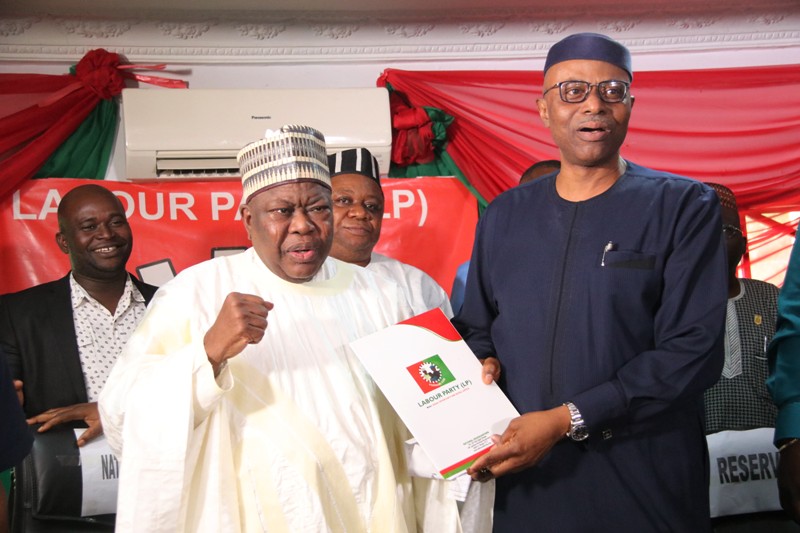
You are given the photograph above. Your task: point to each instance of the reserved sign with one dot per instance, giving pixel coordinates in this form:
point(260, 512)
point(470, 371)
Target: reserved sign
point(744, 471)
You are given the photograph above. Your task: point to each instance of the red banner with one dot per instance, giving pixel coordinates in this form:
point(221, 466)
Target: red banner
point(428, 222)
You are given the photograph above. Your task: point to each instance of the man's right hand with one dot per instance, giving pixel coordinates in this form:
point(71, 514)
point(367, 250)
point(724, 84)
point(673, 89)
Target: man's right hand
point(789, 480)
point(241, 321)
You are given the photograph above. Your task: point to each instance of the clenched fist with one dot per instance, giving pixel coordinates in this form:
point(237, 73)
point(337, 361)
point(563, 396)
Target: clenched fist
point(242, 320)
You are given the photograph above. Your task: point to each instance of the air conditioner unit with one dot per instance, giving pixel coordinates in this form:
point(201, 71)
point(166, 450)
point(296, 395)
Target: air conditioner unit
point(196, 133)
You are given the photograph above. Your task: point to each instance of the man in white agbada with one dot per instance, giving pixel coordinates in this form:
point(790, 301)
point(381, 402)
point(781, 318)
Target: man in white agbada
point(238, 405)
point(357, 218)
point(358, 205)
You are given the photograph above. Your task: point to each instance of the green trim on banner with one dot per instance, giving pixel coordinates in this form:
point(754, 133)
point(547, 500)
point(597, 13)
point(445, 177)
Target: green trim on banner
point(86, 152)
point(482, 203)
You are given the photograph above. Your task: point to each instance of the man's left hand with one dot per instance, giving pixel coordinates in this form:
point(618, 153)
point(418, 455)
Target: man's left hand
point(524, 443)
point(491, 370)
point(80, 411)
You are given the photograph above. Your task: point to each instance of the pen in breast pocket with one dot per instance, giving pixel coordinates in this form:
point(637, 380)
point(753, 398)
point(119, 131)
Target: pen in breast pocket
point(610, 247)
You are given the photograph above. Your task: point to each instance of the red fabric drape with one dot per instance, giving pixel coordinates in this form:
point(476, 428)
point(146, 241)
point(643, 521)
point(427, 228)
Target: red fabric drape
point(29, 136)
point(739, 127)
point(413, 139)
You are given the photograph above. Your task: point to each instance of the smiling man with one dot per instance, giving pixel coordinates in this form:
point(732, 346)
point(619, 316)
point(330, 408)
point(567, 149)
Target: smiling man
point(63, 337)
point(357, 218)
point(596, 297)
point(358, 205)
point(238, 405)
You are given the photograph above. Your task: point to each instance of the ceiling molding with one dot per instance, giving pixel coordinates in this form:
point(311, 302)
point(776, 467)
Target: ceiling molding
point(286, 37)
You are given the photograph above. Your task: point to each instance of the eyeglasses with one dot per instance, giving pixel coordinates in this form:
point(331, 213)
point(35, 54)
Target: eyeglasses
point(731, 231)
point(575, 92)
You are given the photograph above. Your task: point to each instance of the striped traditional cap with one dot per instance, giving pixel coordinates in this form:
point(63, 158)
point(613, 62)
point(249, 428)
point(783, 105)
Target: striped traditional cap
point(726, 196)
point(291, 154)
point(354, 161)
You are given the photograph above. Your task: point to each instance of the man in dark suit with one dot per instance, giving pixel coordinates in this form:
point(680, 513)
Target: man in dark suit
point(63, 337)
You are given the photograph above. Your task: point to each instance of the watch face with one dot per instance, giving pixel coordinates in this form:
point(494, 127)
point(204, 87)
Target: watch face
point(580, 433)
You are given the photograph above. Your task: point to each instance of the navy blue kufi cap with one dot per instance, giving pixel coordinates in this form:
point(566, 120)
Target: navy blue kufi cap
point(590, 46)
point(354, 161)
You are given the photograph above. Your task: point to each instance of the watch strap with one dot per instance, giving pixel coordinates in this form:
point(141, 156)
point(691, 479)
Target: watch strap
point(578, 430)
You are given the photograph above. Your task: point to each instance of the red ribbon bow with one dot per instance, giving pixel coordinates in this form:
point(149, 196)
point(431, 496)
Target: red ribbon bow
point(100, 71)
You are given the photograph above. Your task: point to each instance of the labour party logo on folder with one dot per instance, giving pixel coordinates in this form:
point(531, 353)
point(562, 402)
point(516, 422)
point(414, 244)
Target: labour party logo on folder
point(431, 373)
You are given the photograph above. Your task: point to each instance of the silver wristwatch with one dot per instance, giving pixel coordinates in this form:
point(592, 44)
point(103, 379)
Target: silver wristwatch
point(577, 427)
